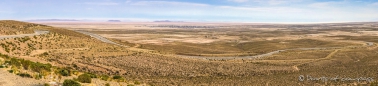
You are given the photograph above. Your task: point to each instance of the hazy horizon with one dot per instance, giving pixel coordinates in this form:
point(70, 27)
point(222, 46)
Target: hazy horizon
point(255, 11)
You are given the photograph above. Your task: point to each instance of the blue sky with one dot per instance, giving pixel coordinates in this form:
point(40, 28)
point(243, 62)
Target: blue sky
point(194, 10)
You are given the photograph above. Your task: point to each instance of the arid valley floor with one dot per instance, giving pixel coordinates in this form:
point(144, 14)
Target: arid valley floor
point(191, 53)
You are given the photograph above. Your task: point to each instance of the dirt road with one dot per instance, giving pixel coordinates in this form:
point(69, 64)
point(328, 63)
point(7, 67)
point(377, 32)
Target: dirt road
point(99, 38)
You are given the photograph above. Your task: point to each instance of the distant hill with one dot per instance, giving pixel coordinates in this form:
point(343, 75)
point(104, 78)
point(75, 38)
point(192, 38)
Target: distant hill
point(114, 20)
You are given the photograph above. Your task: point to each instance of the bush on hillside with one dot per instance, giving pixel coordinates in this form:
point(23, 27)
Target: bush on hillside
point(24, 75)
point(105, 77)
point(117, 77)
point(70, 82)
point(65, 72)
point(84, 78)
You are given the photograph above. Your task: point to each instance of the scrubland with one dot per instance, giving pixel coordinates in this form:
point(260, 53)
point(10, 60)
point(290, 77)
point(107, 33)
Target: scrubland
point(156, 55)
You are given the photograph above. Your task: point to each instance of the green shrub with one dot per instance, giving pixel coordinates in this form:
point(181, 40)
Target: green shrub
point(7, 62)
point(15, 62)
point(105, 77)
point(107, 84)
point(24, 75)
point(10, 71)
point(26, 64)
point(117, 77)
point(1, 66)
point(39, 67)
point(65, 72)
point(46, 84)
point(84, 78)
point(69, 82)
point(75, 66)
point(45, 54)
point(38, 76)
point(92, 75)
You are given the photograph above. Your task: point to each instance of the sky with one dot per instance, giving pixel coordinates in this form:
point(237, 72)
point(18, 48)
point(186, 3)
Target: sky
point(194, 10)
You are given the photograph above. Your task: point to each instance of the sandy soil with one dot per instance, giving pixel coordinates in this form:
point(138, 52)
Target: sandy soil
point(8, 79)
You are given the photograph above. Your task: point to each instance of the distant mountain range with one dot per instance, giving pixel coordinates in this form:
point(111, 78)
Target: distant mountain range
point(114, 20)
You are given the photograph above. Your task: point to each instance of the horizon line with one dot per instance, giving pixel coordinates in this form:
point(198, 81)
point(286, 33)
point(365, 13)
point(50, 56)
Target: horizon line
point(177, 21)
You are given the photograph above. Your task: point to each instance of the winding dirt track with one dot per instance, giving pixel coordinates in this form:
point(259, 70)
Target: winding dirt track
point(103, 39)
point(327, 57)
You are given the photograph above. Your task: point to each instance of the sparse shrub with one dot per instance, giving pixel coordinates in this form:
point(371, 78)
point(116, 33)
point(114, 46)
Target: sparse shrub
point(38, 76)
point(65, 72)
point(45, 54)
point(7, 62)
point(46, 84)
point(92, 75)
point(70, 82)
point(24, 75)
point(15, 62)
point(6, 49)
point(137, 82)
point(84, 78)
point(26, 64)
point(10, 71)
point(74, 65)
point(105, 77)
point(107, 84)
point(117, 77)
point(39, 67)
